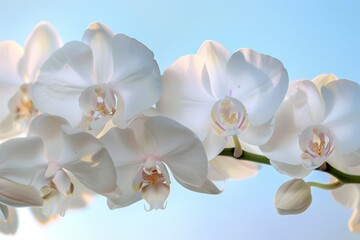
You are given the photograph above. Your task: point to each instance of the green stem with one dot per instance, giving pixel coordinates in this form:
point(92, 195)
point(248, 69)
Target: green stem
point(326, 167)
point(329, 186)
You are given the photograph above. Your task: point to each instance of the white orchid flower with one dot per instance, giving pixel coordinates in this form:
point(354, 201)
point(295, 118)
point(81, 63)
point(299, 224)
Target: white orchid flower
point(18, 72)
point(218, 94)
point(319, 121)
point(142, 155)
point(52, 156)
point(104, 77)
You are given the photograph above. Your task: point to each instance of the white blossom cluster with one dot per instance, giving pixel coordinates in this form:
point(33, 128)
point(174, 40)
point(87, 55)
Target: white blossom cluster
point(96, 116)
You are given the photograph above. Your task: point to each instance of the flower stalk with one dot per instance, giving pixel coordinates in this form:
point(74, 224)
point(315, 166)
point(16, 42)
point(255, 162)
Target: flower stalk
point(329, 186)
point(326, 167)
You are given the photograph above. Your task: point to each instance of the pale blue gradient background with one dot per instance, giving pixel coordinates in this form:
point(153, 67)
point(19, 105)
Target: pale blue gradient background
point(309, 37)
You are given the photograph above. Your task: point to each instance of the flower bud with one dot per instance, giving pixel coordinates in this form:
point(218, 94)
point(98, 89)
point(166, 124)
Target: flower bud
point(293, 197)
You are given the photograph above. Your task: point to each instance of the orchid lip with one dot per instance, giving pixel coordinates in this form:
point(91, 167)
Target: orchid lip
point(229, 117)
point(21, 104)
point(98, 104)
point(316, 142)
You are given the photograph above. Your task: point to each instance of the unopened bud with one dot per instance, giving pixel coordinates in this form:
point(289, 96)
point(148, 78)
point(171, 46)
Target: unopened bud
point(293, 197)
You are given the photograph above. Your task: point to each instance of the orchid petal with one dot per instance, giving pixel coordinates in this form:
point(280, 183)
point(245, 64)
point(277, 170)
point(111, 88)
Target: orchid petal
point(254, 79)
point(309, 106)
point(22, 159)
point(354, 222)
point(62, 78)
point(10, 80)
point(10, 226)
point(4, 212)
point(208, 187)
point(56, 204)
point(283, 146)
point(96, 172)
point(122, 146)
point(257, 135)
point(231, 168)
point(99, 38)
point(18, 195)
point(62, 182)
point(127, 196)
point(10, 127)
point(41, 43)
point(155, 195)
point(180, 149)
point(134, 70)
point(214, 144)
point(348, 160)
point(347, 195)
point(294, 171)
point(185, 99)
point(48, 128)
point(216, 57)
point(10, 53)
point(342, 99)
point(41, 218)
point(77, 145)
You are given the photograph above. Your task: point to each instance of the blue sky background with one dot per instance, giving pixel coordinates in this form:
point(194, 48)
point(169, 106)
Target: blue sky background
point(309, 37)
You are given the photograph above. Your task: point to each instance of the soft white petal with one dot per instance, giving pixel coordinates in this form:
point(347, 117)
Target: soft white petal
point(96, 173)
point(62, 182)
point(88, 162)
point(62, 78)
point(259, 81)
point(283, 146)
point(184, 98)
point(10, 81)
point(122, 146)
point(180, 149)
point(11, 224)
point(126, 174)
point(18, 195)
point(214, 144)
point(231, 168)
point(347, 195)
point(77, 145)
point(155, 195)
point(22, 159)
point(216, 57)
point(208, 187)
point(41, 43)
point(257, 135)
point(354, 222)
point(4, 212)
point(48, 128)
point(56, 204)
point(137, 78)
point(41, 218)
point(294, 171)
point(309, 106)
point(342, 99)
point(99, 38)
point(10, 53)
point(124, 201)
point(348, 160)
point(12, 127)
